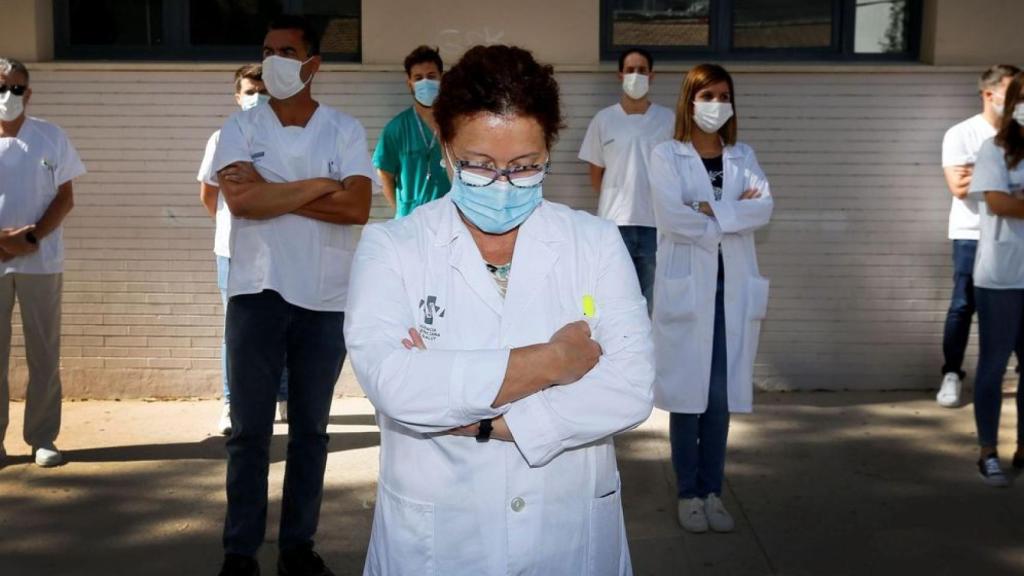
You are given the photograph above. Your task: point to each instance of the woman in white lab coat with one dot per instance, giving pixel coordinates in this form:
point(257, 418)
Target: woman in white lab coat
point(998, 185)
point(710, 196)
point(503, 340)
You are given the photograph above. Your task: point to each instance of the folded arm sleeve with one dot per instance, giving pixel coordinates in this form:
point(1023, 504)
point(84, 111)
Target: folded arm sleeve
point(591, 149)
point(232, 146)
point(671, 215)
point(355, 155)
point(425, 390)
point(990, 173)
point(615, 395)
point(206, 173)
point(742, 216)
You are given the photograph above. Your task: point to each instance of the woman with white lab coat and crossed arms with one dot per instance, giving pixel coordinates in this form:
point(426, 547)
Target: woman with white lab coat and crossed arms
point(710, 196)
point(492, 313)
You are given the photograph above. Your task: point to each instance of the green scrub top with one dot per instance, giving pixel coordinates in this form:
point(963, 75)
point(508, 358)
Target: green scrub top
point(408, 149)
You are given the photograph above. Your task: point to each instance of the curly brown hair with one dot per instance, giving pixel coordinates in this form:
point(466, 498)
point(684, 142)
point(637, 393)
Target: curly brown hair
point(501, 80)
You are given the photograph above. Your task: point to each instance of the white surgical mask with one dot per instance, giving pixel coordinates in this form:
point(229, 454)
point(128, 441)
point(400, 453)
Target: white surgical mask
point(253, 100)
point(283, 76)
point(711, 116)
point(11, 106)
point(1018, 114)
point(635, 85)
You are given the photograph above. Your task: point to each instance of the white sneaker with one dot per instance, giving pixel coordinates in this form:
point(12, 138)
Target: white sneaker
point(224, 424)
point(718, 517)
point(691, 515)
point(951, 390)
point(282, 411)
point(48, 456)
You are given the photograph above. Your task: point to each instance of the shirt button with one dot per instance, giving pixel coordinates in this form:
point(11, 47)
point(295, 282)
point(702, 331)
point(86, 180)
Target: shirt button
point(518, 504)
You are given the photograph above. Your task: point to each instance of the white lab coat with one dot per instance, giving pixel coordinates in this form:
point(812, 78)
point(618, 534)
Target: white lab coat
point(687, 274)
point(448, 505)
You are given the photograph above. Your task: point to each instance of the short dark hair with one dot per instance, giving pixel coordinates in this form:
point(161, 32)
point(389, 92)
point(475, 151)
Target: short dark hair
point(310, 33)
point(647, 56)
point(502, 80)
point(252, 72)
point(994, 75)
point(421, 55)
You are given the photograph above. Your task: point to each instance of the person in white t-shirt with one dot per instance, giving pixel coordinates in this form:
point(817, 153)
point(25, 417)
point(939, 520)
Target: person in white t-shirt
point(249, 93)
point(959, 150)
point(998, 187)
point(296, 175)
point(37, 165)
point(618, 146)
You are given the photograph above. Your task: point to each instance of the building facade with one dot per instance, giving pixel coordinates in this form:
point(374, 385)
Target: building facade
point(845, 103)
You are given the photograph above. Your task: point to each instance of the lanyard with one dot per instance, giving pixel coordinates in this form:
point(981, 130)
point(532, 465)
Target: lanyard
point(430, 144)
point(433, 135)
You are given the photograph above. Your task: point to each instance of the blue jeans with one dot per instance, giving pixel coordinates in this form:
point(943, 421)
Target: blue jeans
point(961, 307)
point(223, 268)
point(1001, 332)
point(699, 440)
point(264, 333)
point(642, 245)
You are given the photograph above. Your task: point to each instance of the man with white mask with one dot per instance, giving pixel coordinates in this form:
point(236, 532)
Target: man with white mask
point(296, 176)
point(37, 165)
point(959, 149)
point(408, 155)
point(249, 93)
point(618, 146)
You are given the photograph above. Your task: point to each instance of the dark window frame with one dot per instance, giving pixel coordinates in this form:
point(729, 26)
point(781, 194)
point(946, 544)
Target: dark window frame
point(176, 46)
point(720, 36)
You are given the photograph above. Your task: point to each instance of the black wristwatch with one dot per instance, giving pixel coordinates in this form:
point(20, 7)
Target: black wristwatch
point(485, 430)
point(31, 238)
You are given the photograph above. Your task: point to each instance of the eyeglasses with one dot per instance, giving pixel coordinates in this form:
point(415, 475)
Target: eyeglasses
point(519, 176)
point(16, 89)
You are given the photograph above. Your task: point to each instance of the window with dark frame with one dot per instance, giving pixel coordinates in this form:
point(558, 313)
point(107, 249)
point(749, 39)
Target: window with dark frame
point(873, 30)
point(195, 29)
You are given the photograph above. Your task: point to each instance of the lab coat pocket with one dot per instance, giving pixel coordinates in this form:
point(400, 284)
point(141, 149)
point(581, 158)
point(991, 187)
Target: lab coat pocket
point(402, 539)
point(334, 271)
point(757, 298)
point(605, 542)
point(675, 298)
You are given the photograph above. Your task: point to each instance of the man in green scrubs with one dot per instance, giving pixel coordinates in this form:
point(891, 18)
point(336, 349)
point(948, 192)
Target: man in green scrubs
point(408, 154)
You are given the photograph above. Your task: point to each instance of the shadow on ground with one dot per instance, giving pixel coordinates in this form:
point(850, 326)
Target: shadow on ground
point(820, 484)
point(835, 484)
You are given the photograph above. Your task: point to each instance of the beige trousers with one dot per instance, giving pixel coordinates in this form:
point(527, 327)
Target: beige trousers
point(39, 298)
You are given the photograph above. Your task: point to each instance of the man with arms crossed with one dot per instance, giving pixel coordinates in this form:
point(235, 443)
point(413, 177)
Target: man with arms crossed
point(959, 148)
point(296, 176)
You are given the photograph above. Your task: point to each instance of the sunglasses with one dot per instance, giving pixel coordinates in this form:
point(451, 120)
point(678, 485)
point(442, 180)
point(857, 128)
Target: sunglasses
point(16, 89)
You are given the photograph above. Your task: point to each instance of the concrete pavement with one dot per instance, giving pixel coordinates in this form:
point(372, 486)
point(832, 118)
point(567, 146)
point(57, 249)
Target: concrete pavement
point(820, 484)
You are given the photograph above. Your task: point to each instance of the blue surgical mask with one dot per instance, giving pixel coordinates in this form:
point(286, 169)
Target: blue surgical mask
point(425, 91)
point(254, 100)
point(499, 206)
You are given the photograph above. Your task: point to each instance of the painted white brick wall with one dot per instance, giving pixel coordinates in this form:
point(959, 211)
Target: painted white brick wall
point(857, 252)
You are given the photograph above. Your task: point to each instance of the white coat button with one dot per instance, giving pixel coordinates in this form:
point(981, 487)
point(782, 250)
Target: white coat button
point(518, 504)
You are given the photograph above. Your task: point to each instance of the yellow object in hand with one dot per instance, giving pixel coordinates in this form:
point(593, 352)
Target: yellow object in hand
point(588, 306)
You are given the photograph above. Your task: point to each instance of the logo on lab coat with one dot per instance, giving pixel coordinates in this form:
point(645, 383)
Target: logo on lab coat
point(431, 313)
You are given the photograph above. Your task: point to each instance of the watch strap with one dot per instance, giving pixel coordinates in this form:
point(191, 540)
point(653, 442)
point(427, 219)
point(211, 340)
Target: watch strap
point(485, 430)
